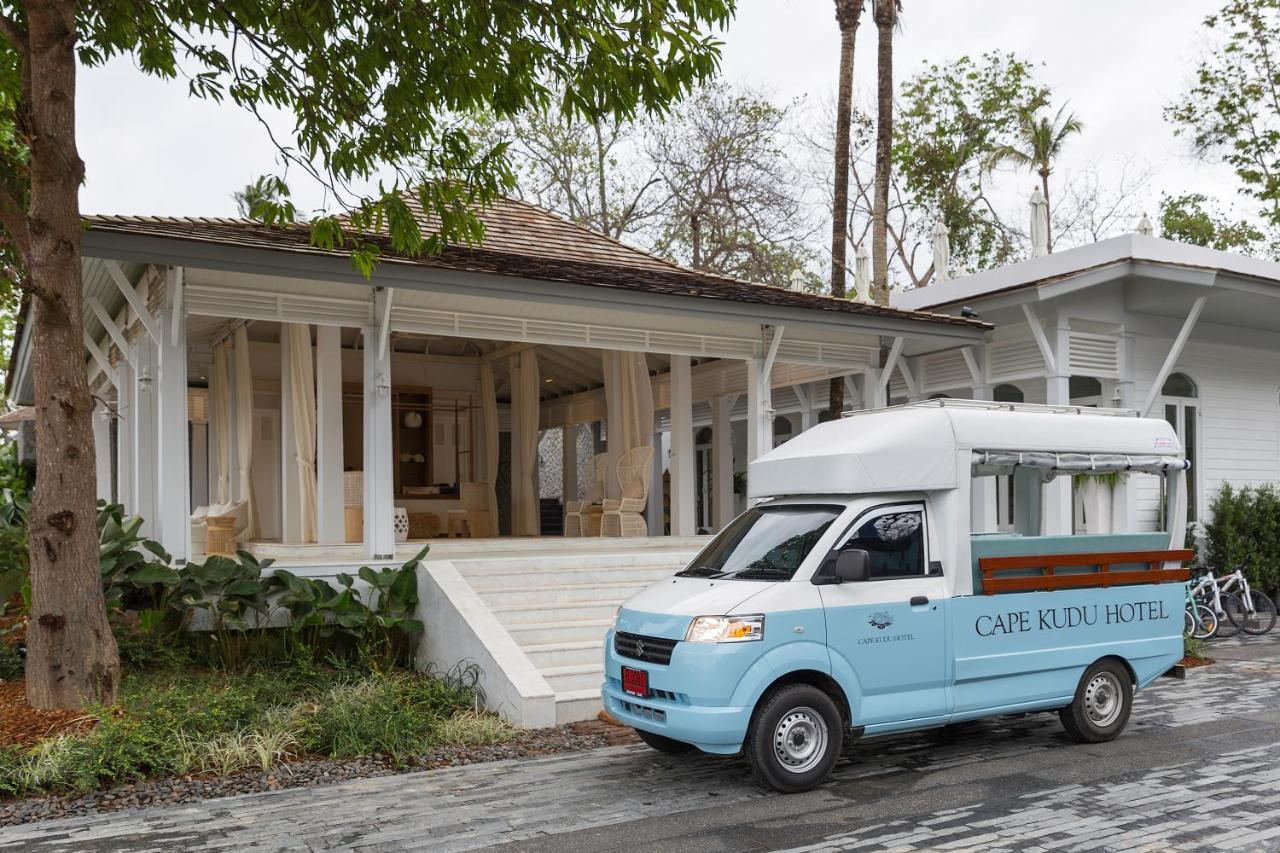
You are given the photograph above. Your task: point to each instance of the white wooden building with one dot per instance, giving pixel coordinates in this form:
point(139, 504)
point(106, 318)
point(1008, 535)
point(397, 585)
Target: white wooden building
point(242, 369)
point(1172, 330)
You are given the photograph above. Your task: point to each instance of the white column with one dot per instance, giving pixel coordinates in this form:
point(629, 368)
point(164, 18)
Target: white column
point(126, 411)
point(983, 512)
point(102, 451)
point(805, 394)
point(518, 473)
point(1055, 518)
point(290, 498)
point(653, 509)
point(144, 436)
point(173, 506)
point(329, 501)
point(683, 476)
point(759, 410)
point(722, 460)
point(379, 484)
point(1124, 502)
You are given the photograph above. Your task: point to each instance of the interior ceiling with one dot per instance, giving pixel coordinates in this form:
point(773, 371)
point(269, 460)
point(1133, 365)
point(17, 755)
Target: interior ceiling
point(564, 370)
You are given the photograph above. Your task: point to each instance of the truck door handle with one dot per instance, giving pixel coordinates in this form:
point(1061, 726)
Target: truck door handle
point(919, 600)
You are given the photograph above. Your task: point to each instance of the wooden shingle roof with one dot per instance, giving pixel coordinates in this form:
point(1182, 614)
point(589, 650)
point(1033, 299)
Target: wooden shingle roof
point(525, 241)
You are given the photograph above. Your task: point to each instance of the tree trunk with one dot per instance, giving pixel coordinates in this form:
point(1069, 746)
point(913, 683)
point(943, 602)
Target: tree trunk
point(71, 654)
point(847, 14)
point(1048, 209)
point(886, 17)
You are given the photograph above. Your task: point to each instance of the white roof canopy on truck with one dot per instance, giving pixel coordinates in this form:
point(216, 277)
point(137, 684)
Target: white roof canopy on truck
point(917, 447)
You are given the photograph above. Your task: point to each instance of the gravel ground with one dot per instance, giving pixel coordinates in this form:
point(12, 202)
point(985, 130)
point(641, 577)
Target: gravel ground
point(305, 773)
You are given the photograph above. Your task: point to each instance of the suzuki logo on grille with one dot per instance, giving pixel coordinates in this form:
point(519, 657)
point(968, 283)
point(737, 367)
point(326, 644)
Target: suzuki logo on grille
point(639, 648)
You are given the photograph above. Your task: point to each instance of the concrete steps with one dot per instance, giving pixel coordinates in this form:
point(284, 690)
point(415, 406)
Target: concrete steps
point(558, 607)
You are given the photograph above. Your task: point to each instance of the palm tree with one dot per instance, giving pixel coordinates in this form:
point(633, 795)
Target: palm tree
point(848, 13)
point(1040, 141)
point(886, 16)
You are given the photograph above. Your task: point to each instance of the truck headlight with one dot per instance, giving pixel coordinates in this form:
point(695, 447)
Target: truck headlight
point(726, 629)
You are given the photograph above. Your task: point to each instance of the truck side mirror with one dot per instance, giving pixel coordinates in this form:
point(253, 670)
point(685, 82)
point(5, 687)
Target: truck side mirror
point(853, 564)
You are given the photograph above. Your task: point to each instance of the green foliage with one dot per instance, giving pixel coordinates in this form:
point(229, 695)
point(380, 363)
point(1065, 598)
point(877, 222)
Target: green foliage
point(1232, 109)
point(1193, 218)
point(1245, 534)
point(11, 663)
point(181, 722)
point(951, 119)
point(15, 501)
point(1193, 647)
point(376, 89)
point(395, 714)
point(133, 568)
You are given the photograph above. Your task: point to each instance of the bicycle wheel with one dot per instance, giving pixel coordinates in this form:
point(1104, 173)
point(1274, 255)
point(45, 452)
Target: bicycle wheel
point(1206, 623)
point(1263, 617)
point(1233, 616)
point(1188, 622)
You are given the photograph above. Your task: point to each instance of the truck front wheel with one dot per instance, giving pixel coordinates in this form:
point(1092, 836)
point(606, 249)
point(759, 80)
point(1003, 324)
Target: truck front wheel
point(795, 738)
point(1102, 703)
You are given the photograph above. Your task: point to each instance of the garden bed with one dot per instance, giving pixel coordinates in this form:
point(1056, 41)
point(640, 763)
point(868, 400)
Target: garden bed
point(308, 772)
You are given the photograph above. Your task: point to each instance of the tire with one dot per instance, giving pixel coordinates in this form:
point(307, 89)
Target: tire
point(1103, 700)
point(1264, 618)
point(1233, 615)
point(794, 739)
point(1188, 623)
point(1206, 623)
point(664, 744)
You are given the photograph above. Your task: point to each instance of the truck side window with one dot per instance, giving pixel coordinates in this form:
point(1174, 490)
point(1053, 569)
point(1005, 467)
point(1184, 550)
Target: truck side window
point(895, 541)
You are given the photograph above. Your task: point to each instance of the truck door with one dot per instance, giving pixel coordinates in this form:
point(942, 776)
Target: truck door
point(890, 629)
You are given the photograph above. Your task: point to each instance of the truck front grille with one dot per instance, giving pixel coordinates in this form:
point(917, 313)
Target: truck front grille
point(648, 649)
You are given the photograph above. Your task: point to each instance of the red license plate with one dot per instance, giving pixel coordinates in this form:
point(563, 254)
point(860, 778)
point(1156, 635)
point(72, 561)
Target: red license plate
point(635, 681)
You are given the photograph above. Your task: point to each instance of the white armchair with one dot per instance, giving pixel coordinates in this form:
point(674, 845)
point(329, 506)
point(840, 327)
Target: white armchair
point(625, 516)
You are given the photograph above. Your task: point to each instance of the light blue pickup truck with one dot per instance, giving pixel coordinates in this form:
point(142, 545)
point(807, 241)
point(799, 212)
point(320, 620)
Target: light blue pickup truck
point(852, 598)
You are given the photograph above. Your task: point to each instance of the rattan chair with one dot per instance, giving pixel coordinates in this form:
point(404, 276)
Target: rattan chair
point(582, 518)
point(625, 516)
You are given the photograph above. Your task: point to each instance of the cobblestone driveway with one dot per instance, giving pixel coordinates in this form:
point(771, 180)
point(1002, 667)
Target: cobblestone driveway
point(1196, 769)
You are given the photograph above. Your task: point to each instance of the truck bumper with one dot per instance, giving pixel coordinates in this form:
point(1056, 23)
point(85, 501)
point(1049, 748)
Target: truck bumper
point(718, 729)
point(690, 699)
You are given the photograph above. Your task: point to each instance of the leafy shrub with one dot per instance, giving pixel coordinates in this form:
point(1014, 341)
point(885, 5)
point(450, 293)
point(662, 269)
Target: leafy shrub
point(12, 664)
point(1245, 534)
point(395, 714)
point(473, 728)
point(182, 722)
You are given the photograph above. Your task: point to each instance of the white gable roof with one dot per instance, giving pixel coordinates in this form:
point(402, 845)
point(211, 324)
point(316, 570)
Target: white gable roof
point(1117, 250)
point(919, 447)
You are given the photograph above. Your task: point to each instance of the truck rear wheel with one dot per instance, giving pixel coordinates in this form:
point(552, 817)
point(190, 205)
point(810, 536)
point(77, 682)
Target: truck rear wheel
point(1101, 705)
point(795, 738)
point(664, 744)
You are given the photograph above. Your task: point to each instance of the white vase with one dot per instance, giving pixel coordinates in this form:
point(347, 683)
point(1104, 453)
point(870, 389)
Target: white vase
point(401, 524)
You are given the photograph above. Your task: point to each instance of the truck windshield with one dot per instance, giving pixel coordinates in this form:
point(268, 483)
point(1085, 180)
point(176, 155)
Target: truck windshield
point(764, 543)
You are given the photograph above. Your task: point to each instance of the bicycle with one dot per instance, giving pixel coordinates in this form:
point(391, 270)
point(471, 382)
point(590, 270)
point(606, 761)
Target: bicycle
point(1198, 621)
point(1208, 593)
point(1256, 612)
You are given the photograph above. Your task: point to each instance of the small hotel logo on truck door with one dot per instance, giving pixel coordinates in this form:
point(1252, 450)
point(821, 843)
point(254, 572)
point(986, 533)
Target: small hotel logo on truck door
point(880, 619)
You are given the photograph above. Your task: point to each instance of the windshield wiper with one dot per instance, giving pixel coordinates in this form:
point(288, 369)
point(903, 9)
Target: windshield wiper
point(700, 572)
point(764, 572)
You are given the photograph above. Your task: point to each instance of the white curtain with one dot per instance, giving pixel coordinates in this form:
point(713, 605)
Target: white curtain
point(489, 411)
point(629, 403)
point(220, 420)
point(524, 441)
point(302, 402)
point(244, 429)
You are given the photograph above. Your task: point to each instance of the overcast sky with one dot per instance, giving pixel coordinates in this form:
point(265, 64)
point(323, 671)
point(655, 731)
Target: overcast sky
point(150, 149)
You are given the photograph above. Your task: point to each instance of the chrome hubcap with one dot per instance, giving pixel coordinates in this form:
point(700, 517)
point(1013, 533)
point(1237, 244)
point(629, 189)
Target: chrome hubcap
point(800, 740)
point(1103, 699)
